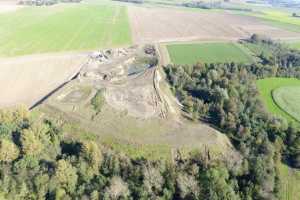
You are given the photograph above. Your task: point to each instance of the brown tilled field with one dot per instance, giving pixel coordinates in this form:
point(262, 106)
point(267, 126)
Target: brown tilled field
point(163, 25)
point(25, 80)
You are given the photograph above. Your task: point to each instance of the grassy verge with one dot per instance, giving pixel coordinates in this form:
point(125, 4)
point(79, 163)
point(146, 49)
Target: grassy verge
point(149, 151)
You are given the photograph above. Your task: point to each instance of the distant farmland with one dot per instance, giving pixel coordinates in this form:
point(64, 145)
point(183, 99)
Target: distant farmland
point(279, 19)
point(207, 53)
point(63, 28)
point(167, 25)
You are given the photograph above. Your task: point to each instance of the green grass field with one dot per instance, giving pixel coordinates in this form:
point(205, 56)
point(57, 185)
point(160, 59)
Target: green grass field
point(258, 49)
point(295, 45)
point(281, 16)
point(288, 99)
point(267, 86)
point(63, 27)
point(208, 53)
point(290, 183)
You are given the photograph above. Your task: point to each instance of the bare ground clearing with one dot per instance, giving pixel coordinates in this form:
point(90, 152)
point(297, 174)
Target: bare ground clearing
point(26, 80)
point(139, 108)
point(8, 6)
point(166, 25)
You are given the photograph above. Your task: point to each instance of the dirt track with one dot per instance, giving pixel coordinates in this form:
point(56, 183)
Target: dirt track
point(163, 25)
point(25, 80)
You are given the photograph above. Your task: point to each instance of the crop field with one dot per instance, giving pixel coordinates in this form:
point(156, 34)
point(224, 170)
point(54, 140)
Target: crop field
point(278, 15)
point(207, 53)
point(279, 18)
point(295, 45)
point(290, 183)
point(165, 25)
point(266, 88)
point(63, 28)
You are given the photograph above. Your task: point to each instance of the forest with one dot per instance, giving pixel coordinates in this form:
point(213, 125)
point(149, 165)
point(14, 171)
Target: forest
point(36, 162)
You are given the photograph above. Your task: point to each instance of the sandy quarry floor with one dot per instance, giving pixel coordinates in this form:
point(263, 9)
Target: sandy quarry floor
point(139, 109)
point(163, 25)
point(25, 80)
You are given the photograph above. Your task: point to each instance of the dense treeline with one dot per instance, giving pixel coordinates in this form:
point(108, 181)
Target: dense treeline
point(36, 162)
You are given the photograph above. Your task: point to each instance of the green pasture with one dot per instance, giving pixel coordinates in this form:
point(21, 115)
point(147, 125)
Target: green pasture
point(290, 182)
point(266, 88)
point(63, 27)
point(278, 18)
point(288, 99)
point(208, 53)
point(295, 45)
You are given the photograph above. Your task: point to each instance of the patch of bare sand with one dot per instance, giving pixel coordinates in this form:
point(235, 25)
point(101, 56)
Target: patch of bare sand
point(165, 25)
point(27, 79)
